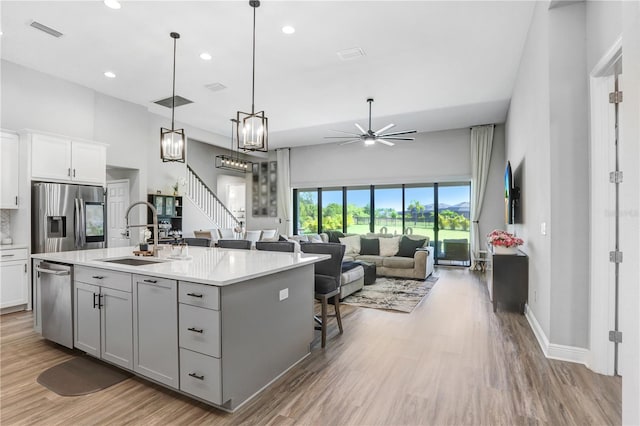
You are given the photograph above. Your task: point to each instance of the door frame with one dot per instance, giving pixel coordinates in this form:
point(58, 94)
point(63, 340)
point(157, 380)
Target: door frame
point(601, 216)
point(128, 182)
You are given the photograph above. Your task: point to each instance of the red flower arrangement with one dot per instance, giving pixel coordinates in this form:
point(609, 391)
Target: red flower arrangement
point(501, 238)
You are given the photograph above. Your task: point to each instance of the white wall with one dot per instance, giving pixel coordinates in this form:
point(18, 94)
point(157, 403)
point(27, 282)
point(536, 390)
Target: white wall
point(40, 102)
point(438, 156)
point(528, 150)
point(432, 157)
point(569, 167)
point(630, 220)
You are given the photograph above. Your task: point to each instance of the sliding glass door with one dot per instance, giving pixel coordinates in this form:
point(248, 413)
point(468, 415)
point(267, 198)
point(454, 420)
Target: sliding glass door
point(437, 210)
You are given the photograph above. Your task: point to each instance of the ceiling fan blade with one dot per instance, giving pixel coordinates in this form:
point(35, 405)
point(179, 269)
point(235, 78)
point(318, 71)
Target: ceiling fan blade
point(385, 142)
point(395, 138)
point(360, 128)
point(387, 127)
point(348, 142)
point(404, 132)
point(347, 133)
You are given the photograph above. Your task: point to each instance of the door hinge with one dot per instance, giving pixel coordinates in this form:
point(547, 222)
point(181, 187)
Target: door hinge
point(615, 97)
point(615, 177)
point(615, 336)
point(615, 256)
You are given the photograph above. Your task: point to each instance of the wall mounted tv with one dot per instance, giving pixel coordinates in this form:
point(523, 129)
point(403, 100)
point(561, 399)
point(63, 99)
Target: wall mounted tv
point(511, 195)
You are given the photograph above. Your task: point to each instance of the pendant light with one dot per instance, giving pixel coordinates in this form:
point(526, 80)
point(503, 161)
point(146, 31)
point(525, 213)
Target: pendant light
point(172, 142)
point(252, 128)
point(233, 162)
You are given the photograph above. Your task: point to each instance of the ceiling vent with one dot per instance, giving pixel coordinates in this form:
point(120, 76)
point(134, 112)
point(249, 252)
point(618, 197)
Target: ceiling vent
point(166, 102)
point(38, 26)
point(354, 52)
point(215, 87)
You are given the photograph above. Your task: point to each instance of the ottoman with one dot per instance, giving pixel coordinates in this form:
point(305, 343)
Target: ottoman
point(369, 272)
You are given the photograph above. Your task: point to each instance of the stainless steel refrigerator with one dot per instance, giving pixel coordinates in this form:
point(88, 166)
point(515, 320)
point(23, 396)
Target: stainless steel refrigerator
point(67, 217)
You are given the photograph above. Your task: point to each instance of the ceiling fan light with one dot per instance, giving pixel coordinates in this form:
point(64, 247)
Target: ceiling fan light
point(369, 141)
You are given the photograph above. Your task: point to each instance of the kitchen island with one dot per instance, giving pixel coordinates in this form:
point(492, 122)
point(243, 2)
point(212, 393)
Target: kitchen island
point(219, 325)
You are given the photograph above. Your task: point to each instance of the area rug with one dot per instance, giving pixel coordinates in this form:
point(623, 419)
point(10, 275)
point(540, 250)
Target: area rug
point(80, 376)
point(392, 294)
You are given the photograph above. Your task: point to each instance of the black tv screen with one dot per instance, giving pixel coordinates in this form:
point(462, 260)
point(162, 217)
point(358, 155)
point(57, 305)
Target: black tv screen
point(508, 194)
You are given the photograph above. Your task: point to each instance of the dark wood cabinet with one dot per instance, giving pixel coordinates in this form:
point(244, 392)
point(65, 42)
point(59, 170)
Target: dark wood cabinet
point(508, 281)
point(169, 208)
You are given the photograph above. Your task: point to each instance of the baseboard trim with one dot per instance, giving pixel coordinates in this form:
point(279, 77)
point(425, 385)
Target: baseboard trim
point(554, 351)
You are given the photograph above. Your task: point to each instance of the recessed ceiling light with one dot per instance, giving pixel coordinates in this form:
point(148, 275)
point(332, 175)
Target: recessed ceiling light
point(288, 29)
point(205, 56)
point(109, 74)
point(113, 4)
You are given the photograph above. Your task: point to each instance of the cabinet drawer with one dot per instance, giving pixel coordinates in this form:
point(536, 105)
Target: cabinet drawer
point(200, 330)
point(103, 277)
point(200, 375)
point(13, 254)
point(205, 296)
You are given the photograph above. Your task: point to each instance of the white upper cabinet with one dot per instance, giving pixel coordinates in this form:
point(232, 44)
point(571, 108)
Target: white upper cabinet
point(9, 160)
point(62, 159)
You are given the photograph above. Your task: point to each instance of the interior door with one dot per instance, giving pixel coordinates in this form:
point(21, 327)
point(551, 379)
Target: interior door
point(117, 203)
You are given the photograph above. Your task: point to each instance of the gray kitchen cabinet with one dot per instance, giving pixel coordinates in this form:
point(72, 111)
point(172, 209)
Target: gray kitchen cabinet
point(155, 329)
point(103, 316)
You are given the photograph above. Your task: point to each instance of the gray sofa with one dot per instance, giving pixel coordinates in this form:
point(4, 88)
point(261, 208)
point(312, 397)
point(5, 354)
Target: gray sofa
point(419, 267)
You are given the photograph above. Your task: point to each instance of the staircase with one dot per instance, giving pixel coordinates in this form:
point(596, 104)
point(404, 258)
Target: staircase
point(203, 197)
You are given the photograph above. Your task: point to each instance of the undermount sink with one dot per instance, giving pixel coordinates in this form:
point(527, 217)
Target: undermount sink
point(132, 261)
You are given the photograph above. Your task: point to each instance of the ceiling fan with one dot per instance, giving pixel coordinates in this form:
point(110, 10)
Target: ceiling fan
point(369, 137)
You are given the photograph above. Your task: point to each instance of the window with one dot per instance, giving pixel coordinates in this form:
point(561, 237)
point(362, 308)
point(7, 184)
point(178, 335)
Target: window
point(388, 209)
point(307, 209)
point(331, 209)
point(419, 211)
point(439, 211)
point(453, 224)
point(358, 210)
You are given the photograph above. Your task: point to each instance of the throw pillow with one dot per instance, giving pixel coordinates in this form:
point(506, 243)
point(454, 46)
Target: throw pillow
point(314, 238)
point(389, 246)
point(370, 246)
point(408, 246)
point(334, 236)
point(352, 244)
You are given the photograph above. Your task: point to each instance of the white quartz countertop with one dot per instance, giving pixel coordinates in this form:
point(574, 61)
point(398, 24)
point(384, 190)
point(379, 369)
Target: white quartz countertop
point(214, 266)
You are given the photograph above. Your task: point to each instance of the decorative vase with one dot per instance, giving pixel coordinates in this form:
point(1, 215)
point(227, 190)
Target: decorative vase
point(505, 250)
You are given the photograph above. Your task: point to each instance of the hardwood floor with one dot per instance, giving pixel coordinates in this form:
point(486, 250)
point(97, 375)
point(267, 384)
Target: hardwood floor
point(452, 361)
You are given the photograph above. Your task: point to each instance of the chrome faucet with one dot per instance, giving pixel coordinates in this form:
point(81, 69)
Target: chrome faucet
point(146, 225)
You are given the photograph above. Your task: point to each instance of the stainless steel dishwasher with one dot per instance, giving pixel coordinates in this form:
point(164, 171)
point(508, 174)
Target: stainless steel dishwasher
point(56, 295)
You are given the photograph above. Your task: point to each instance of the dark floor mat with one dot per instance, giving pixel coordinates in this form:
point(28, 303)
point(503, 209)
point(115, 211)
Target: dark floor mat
point(80, 376)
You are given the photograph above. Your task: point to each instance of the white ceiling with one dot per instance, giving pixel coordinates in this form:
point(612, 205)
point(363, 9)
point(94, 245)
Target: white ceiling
point(429, 65)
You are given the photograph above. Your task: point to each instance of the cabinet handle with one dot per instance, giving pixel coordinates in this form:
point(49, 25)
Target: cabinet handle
point(195, 330)
point(25, 268)
point(74, 172)
point(194, 295)
point(16, 200)
point(69, 172)
point(195, 376)
point(97, 277)
point(151, 281)
point(100, 304)
point(95, 305)
point(8, 255)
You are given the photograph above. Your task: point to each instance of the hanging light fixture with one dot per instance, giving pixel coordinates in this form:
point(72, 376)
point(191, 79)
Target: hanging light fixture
point(172, 142)
point(231, 162)
point(252, 128)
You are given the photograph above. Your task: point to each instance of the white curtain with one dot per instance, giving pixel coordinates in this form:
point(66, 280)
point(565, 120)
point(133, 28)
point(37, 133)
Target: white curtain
point(481, 144)
point(284, 191)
